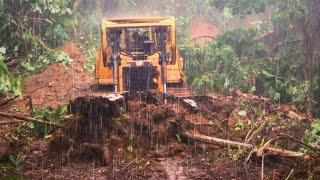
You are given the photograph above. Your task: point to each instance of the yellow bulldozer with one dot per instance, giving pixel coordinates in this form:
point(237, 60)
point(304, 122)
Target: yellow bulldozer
point(140, 54)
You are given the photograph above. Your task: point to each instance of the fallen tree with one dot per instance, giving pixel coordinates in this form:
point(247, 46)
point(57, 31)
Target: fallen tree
point(222, 142)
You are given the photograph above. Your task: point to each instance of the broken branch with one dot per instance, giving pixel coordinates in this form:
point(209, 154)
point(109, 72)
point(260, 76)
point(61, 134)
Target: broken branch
point(298, 141)
point(30, 119)
point(262, 168)
point(289, 174)
point(8, 100)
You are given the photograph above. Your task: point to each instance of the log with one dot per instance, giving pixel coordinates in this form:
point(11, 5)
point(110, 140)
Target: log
point(217, 141)
point(30, 119)
point(286, 153)
point(222, 142)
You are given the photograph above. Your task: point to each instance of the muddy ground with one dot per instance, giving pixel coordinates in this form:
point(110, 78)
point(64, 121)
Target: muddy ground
point(143, 138)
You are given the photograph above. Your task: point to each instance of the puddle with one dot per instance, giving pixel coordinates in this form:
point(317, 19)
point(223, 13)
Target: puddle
point(173, 169)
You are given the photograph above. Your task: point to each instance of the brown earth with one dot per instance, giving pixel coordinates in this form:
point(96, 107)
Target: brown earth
point(143, 139)
point(203, 31)
point(58, 84)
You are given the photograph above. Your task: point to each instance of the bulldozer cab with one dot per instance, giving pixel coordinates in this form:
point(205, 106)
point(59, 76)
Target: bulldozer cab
point(139, 55)
point(137, 41)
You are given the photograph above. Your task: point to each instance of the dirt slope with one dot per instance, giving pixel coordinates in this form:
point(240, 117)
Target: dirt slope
point(58, 84)
point(203, 31)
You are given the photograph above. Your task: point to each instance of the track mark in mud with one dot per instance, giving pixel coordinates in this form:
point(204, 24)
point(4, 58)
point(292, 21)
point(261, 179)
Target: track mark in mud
point(173, 169)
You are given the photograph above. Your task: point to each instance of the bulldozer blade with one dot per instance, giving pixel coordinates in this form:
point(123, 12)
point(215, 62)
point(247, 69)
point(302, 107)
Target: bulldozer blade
point(113, 96)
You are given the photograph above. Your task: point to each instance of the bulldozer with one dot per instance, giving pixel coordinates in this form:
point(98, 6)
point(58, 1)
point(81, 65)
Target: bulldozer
point(140, 54)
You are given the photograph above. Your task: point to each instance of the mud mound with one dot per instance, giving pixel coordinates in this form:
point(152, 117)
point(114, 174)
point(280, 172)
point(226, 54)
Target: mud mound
point(157, 122)
point(101, 132)
point(58, 84)
point(140, 137)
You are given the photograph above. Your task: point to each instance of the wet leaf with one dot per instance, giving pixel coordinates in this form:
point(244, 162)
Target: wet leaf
point(242, 113)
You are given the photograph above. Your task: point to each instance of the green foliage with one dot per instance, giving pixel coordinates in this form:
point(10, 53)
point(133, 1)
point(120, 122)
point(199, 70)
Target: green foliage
point(178, 138)
point(8, 84)
point(91, 59)
point(29, 36)
point(284, 89)
point(316, 93)
point(313, 134)
point(237, 59)
point(239, 126)
point(295, 25)
point(16, 161)
point(45, 60)
point(240, 40)
point(47, 114)
point(258, 50)
point(38, 23)
point(316, 83)
point(90, 51)
point(87, 20)
point(18, 133)
point(236, 154)
point(29, 30)
point(60, 16)
point(89, 31)
point(217, 67)
point(182, 24)
point(246, 7)
point(206, 83)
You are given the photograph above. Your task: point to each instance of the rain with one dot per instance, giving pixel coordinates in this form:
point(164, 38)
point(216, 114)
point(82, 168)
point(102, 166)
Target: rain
point(159, 89)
